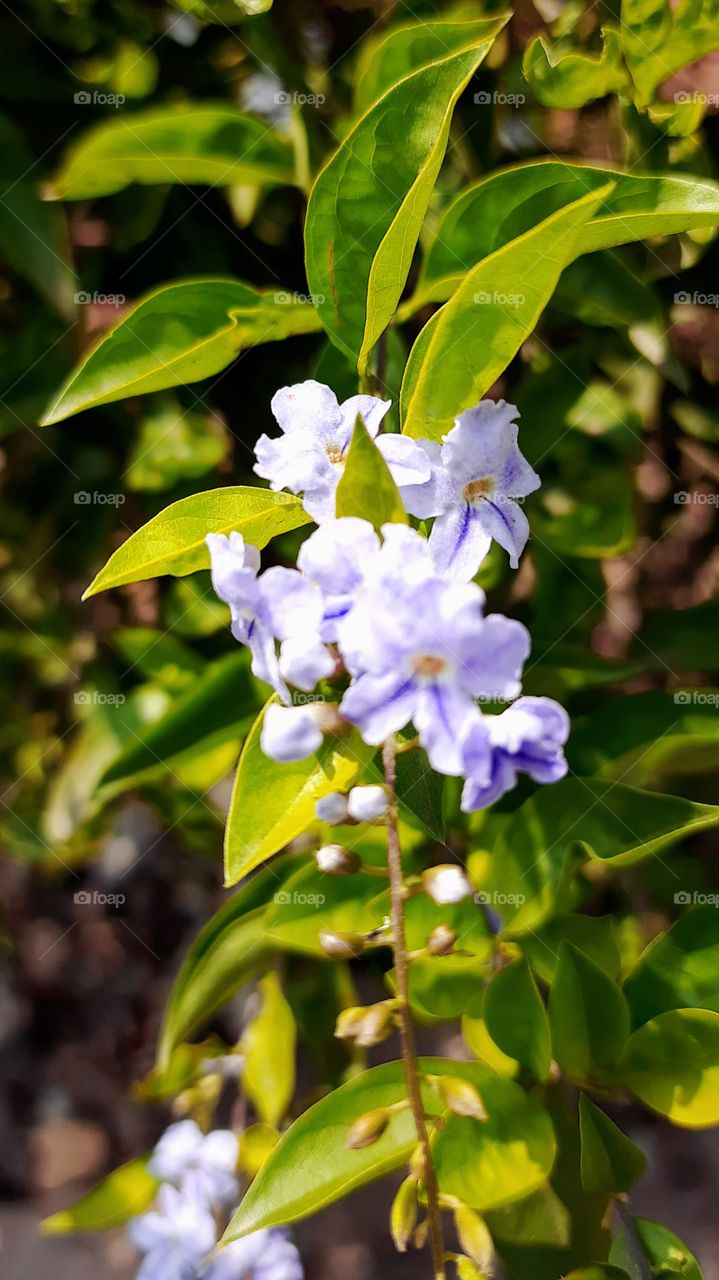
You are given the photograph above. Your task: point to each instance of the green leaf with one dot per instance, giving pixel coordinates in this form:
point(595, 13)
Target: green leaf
point(569, 80)
point(178, 334)
point(268, 1049)
point(659, 41)
point(588, 1016)
point(173, 445)
point(596, 936)
point(641, 737)
point(311, 901)
point(219, 961)
point(672, 1064)
point(598, 1271)
point(124, 1193)
point(174, 540)
point(212, 144)
point(476, 334)
point(511, 1152)
point(367, 205)
point(663, 1251)
point(679, 969)
point(516, 1019)
point(366, 488)
point(509, 203)
point(610, 1161)
point(441, 987)
point(272, 803)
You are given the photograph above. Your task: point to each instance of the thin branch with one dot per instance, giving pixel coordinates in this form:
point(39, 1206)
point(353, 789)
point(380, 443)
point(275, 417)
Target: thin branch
point(409, 1051)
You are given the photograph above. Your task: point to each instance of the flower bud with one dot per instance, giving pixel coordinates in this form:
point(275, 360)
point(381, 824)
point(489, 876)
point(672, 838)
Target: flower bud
point(404, 1214)
point(417, 1165)
point(474, 1237)
point(441, 940)
point(367, 1128)
point(367, 804)
point(466, 1269)
point(341, 946)
point(446, 883)
point(332, 808)
point(335, 860)
point(461, 1097)
point(366, 1026)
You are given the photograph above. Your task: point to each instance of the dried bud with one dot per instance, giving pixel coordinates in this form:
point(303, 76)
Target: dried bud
point(332, 808)
point(474, 1237)
point(466, 1269)
point(366, 1026)
point(404, 1214)
point(335, 860)
point(461, 1097)
point(441, 940)
point(367, 804)
point(341, 946)
point(367, 1129)
point(446, 883)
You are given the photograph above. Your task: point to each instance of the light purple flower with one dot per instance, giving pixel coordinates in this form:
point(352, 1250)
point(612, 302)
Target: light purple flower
point(476, 474)
point(367, 804)
point(423, 652)
point(264, 1255)
point(526, 738)
point(290, 733)
point(176, 1236)
point(309, 456)
point(211, 1158)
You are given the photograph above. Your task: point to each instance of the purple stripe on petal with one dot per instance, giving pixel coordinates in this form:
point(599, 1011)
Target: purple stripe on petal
point(464, 530)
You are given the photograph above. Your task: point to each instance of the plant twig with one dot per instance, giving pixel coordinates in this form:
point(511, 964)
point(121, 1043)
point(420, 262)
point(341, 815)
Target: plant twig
point(409, 1051)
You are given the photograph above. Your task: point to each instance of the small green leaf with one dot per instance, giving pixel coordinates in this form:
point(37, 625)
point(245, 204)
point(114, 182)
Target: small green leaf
point(178, 334)
point(272, 803)
point(596, 936)
point(658, 40)
point(588, 1016)
point(679, 969)
point(213, 144)
point(311, 901)
point(662, 1251)
point(268, 1049)
point(174, 540)
point(641, 737)
point(492, 311)
point(124, 1193)
point(505, 1157)
point(366, 488)
point(672, 1064)
point(569, 80)
point(598, 1271)
point(516, 1019)
point(610, 1161)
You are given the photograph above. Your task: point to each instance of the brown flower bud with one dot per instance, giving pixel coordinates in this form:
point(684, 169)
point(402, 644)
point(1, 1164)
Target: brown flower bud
point(441, 940)
point(461, 1097)
point(335, 860)
point(366, 1026)
point(367, 1128)
point(341, 946)
point(474, 1237)
point(404, 1214)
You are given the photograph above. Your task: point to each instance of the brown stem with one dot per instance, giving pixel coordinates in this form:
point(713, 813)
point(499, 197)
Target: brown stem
point(406, 1029)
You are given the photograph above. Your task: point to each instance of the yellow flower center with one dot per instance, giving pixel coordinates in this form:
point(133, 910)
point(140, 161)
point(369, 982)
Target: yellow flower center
point(428, 665)
point(479, 488)
point(335, 454)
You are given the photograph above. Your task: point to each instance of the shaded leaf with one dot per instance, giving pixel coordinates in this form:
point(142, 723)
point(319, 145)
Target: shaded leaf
point(516, 1019)
point(588, 1016)
point(679, 969)
point(672, 1064)
point(610, 1161)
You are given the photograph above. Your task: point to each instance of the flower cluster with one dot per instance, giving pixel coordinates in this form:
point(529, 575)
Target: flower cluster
point(178, 1238)
point(391, 621)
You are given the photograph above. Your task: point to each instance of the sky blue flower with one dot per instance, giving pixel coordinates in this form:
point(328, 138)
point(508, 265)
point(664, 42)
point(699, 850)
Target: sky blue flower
point(308, 458)
point(264, 1255)
point(526, 738)
point(211, 1158)
point(476, 474)
point(176, 1236)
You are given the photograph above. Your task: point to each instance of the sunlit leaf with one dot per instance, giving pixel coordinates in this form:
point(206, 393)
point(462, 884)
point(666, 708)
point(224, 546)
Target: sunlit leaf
point(672, 1064)
point(268, 1050)
point(124, 1193)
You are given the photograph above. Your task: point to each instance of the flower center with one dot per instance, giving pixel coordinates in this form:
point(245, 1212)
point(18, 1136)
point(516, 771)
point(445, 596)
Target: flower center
point(335, 453)
point(479, 488)
point(428, 665)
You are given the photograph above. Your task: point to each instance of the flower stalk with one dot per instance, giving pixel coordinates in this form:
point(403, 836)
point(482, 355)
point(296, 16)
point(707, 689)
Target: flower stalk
point(406, 1029)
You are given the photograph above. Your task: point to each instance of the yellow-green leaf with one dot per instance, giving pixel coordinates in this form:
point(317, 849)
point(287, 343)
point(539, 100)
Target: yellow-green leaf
point(268, 1049)
point(366, 488)
point(672, 1064)
point(124, 1193)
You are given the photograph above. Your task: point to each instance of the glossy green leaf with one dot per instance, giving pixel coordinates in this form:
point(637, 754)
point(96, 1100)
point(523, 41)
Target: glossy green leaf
point(174, 540)
point(125, 1192)
point(610, 1161)
point(268, 1050)
point(588, 1016)
point(679, 969)
point(220, 960)
point(672, 1064)
point(272, 803)
point(496, 306)
point(641, 737)
point(366, 488)
point(441, 987)
point(661, 1250)
point(567, 79)
point(367, 205)
point(212, 144)
point(681, 640)
point(596, 936)
point(509, 203)
point(178, 334)
point(510, 1153)
point(516, 1019)
point(658, 40)
point(311, 902)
